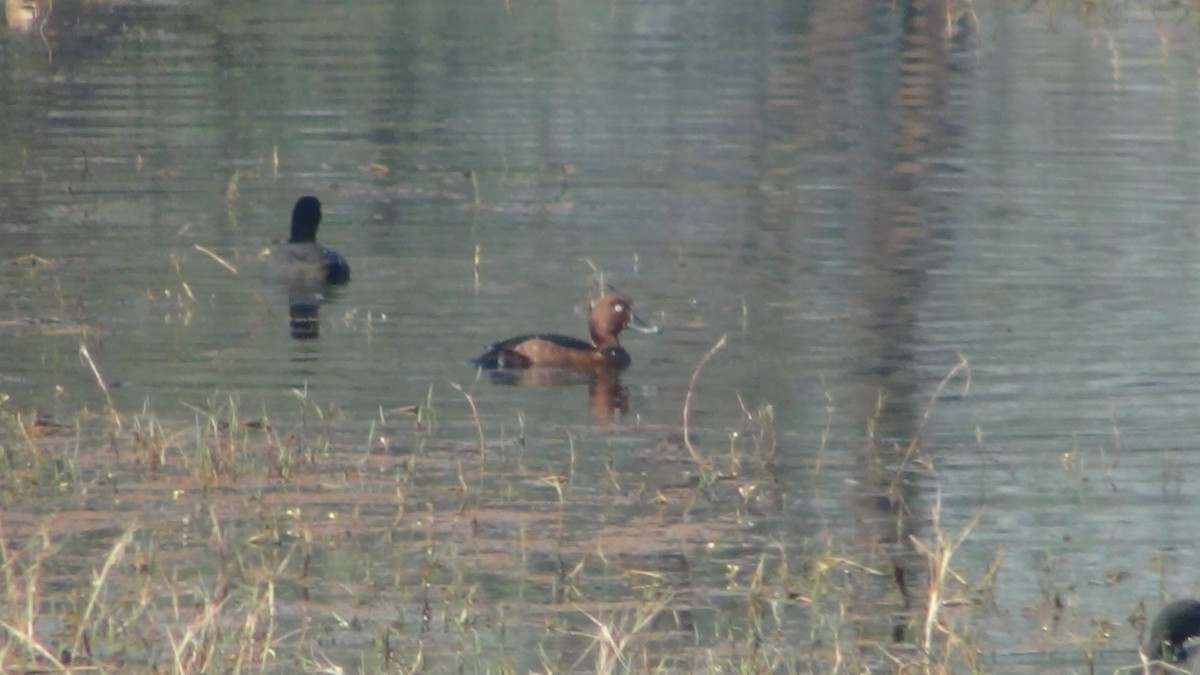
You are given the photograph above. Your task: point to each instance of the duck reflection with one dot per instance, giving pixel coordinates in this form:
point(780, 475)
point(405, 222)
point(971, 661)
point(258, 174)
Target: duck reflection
point(308, 271)
point(304, 313)
point(607, 397)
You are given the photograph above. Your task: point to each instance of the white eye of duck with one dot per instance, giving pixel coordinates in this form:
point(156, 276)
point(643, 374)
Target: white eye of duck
point(619, 307)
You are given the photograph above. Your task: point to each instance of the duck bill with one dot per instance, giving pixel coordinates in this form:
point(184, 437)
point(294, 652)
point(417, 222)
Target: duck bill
point(636, 323)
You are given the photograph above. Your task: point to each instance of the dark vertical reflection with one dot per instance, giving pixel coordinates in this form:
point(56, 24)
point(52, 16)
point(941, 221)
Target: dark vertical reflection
point(898, 239)
point(878, 117)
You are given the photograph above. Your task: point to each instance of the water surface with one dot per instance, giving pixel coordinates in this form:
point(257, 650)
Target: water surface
point(859, 197)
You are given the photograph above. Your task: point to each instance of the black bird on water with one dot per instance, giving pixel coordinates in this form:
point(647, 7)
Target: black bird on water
point(328, 266)
point(1175, 624)
point(305, 268)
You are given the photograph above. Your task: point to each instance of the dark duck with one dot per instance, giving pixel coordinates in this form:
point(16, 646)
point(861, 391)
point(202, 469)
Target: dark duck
point(306, 269)
point(304, 256)
point(1168, 642)
point(610, 314)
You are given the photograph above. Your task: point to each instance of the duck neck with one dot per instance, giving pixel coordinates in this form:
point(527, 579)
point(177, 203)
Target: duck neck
point(302, 234)
point(603, 339)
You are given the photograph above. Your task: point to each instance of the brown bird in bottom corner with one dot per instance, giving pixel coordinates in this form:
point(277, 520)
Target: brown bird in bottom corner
point(25, 16)
point(1176, 623)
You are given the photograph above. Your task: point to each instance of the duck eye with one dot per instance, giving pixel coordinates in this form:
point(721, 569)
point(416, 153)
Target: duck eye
point(619, 307)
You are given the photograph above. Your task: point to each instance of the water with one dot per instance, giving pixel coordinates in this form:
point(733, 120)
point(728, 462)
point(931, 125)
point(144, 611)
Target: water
point(858, 196)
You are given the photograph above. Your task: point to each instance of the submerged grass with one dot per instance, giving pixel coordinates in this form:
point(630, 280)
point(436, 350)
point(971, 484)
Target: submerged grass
point(437, 541)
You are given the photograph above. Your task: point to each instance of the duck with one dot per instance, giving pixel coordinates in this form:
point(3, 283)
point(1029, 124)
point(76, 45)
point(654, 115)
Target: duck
point(303, 256)
point(1175, 624)
point(609, 315)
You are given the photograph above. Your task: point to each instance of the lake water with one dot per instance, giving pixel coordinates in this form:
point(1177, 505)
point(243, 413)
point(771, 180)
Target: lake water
point(864, 198)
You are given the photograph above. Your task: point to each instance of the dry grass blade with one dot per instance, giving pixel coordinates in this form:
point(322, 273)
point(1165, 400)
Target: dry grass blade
point(687, 401)
point(474, 412)
point(938, 554)
point(114, 556)
point(962, 366)
point(612, 642)
point(33, 646)
point(86, 357)
point(220, 261)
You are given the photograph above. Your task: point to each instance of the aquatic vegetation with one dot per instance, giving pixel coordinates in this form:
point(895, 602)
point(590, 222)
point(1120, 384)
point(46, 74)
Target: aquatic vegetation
point(302, 540)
